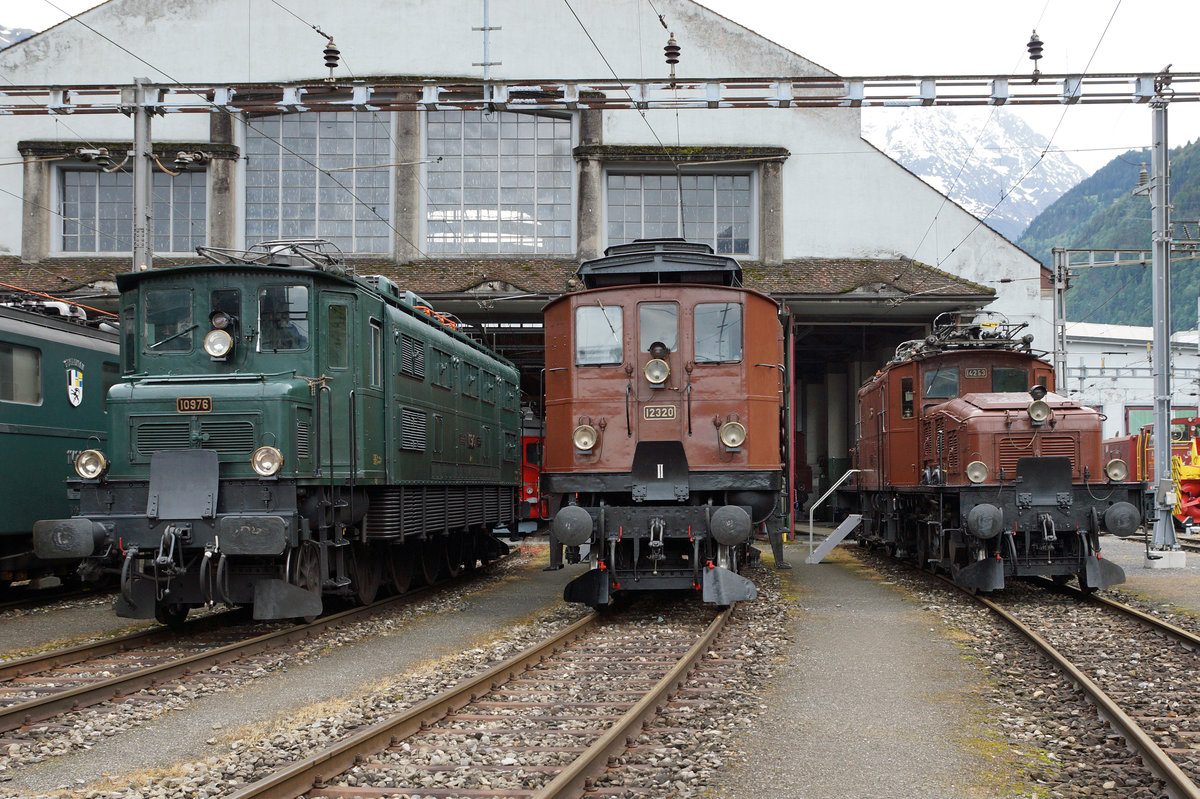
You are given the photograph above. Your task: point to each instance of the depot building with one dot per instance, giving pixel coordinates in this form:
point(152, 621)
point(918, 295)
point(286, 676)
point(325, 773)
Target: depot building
point(488, 211)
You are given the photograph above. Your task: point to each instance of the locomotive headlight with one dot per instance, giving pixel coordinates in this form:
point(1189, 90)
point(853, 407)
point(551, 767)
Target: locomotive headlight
point(977, 471)
point(266, 461)
point(91, 464)
point(657, 371)
point(584, 437)
point(1117, 470)
point(218, 343)
point(1039, 411)
point(733, 434)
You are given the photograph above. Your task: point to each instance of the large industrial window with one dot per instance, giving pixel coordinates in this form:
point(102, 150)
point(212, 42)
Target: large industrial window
point(283, 318)
point(502, 183)
point(718, 332)
point(97, 211)
point(598, 336)
point(658, 322)
point(20, 374)
point(169, 325)
point(716, 209)
point(320, 174)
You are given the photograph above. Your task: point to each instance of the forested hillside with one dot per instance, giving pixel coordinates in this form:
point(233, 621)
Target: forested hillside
point(1101, 212)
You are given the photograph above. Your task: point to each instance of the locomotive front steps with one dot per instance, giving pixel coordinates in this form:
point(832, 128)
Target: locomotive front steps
point(836, 537)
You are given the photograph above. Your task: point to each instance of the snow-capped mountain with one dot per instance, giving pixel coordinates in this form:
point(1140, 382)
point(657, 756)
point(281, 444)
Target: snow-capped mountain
point(976, 156)
point(13, 35)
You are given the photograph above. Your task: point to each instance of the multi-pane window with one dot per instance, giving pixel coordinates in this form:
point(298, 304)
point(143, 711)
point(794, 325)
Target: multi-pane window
point(305, 178)
point(716, 209)
point(503, 184)
point(97, 211)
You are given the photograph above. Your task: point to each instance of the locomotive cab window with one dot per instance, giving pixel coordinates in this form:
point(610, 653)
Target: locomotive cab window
point(718, 332)
point(337, 337)
point(169, 324)
point(20, 374)
point(658, 322)
point(128, 337)
point(906, 397)
point(598, 335)
point(941, 383)
point(376, 353)
point(1006, 380)
point(282, 318)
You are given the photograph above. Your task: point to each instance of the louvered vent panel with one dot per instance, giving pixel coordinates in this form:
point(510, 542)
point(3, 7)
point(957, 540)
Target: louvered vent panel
point(302, 451)
point(412, 430)
point(154, 436)
point(412, 357)
point(1060, 446)
point(227, 437)
point(384, 516)
point(1012, 449)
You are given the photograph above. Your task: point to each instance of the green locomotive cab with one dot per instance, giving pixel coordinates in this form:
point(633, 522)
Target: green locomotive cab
point(271, 433)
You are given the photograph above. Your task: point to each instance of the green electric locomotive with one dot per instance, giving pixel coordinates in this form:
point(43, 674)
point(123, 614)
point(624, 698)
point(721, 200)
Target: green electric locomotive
point(285, 431)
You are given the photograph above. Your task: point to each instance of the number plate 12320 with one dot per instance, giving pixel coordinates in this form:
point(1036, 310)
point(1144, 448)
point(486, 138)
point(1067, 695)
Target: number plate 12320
point(193, 404)
point(658, 412)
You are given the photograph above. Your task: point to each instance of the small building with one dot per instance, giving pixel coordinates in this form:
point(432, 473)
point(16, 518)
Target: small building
point(1109, 368)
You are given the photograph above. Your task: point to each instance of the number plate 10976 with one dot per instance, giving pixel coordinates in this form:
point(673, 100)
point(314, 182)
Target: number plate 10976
point(193, 404)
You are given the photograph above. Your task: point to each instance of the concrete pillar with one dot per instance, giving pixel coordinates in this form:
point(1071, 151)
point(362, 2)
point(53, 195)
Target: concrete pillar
point(770, 217)
point(407, 200)
point(222, 185)
point(35, 212)
point(837, 407)
point(590, 213)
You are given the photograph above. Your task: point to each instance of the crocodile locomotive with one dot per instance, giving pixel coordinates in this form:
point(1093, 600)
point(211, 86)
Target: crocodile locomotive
point(286, 431)
point(970, 464)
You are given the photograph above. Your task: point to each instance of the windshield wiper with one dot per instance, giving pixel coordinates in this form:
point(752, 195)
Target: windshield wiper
point(174, 336)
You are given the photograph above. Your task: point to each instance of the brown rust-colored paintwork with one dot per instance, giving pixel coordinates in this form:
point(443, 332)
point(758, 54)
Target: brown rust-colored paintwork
point(749, 391)
point(894, 444)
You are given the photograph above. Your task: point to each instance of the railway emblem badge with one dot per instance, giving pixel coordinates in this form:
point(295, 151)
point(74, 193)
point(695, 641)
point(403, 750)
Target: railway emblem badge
point(74, 382)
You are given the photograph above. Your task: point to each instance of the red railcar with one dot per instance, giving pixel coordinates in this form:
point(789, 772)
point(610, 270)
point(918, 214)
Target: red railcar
point(970, 463)
point(1138, 451)
point(664, 389)
point(533, 504)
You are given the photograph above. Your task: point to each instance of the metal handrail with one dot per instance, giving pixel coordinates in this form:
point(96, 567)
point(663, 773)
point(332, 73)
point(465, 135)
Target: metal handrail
point(812, 508)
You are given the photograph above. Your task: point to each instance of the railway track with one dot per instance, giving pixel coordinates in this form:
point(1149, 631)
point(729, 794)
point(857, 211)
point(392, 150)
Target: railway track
point(550, 722)
point(40, 687)
point(1141, 673)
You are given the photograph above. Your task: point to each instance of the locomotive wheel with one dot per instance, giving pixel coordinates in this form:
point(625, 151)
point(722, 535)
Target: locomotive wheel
point(308, 571)
point(171, 615)
point(400, 567)
point(431, 559)
point(455, 551)
point(470, 552)
point(365, 574)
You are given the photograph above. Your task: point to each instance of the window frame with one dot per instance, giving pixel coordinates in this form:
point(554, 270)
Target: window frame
point(741, 352)
point(13, 346)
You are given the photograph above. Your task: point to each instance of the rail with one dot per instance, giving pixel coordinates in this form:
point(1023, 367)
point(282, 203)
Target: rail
point(812, 508)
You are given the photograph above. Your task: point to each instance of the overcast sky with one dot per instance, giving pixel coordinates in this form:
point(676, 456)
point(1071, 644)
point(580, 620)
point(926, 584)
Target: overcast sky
point(952, 37)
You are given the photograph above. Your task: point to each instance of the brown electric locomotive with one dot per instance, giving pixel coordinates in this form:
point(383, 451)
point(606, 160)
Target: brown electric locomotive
point(663, 394)
point(969, 463)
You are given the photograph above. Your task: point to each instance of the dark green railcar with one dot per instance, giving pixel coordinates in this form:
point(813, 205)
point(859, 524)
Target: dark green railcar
point(54, 372)
point(286, 431)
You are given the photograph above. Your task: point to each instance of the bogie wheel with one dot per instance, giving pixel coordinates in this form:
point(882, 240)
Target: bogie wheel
point(470, 552)
point(454, 554)
point(308, 571)
point(365, 574)
point(400, 566)
point(171, 615)
point(432, 557)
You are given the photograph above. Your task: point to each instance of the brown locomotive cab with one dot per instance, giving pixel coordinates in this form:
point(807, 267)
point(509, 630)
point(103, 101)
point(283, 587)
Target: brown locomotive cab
point(662, 426)
point(970, 465)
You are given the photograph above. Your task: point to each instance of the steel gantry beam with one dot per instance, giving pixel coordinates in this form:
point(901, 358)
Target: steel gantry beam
point(412, 94)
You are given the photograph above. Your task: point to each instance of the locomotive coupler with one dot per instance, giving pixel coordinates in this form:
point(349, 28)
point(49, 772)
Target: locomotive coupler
point(165, 558)
point(658, 528)
point(1048, 531)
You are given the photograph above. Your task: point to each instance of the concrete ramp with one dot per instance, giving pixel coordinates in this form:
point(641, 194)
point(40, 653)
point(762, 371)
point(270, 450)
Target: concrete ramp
point(844, 529)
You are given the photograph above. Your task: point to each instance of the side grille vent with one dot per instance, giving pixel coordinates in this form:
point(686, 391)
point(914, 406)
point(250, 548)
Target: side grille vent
point(412, 357)
point(413, 430)
point(302, 452)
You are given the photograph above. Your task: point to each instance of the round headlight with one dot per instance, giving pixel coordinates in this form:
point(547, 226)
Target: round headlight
point(977, 471)
point(1039, 410)
point(733, 434)
point(91, 464)
point(584, 437)
point(657, 371)
point(1117, 470)
point(218, 343)
point(266, 461)
point(220, 320)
